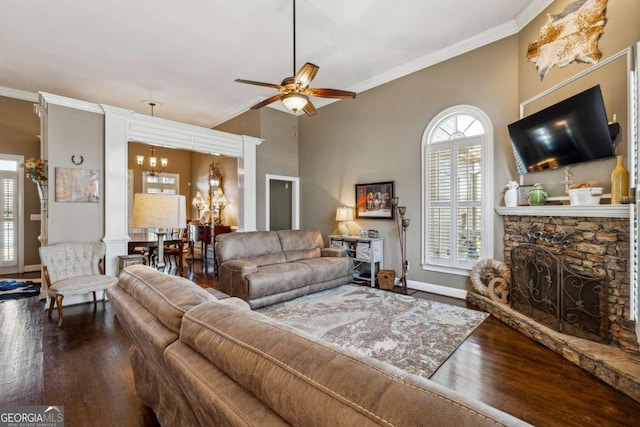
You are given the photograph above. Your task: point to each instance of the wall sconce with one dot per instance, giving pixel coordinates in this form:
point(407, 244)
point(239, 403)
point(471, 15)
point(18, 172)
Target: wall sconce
point(344, 215)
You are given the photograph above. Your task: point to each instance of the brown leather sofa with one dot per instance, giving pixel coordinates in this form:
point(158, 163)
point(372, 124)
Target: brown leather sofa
point(201, 361)
point(266, 267)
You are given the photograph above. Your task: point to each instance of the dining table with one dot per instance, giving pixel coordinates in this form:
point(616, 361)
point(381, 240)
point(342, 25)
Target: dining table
point(147, 245)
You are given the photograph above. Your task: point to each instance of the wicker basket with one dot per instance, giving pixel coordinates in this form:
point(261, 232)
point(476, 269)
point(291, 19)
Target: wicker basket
point(386, 279)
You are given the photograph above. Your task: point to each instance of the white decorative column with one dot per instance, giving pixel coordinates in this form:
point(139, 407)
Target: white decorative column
point(247, 186)
point(116, 235)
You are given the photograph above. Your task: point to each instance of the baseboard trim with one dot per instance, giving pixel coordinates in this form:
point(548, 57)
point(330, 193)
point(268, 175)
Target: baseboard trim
point(32, 268)
point(437, 289)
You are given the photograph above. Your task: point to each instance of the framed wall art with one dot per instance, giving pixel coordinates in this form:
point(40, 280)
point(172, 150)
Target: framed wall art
point(373, 200)
point(77, 185)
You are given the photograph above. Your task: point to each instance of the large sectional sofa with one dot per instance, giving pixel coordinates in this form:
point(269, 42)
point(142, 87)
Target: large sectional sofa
point(266, 267)
point(200, 360)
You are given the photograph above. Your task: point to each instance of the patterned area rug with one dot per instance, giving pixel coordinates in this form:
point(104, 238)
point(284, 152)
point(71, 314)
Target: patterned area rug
point(18, 288)
point(412, 334)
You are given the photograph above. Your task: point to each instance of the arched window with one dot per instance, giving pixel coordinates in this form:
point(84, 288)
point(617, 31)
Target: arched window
point(457, 184)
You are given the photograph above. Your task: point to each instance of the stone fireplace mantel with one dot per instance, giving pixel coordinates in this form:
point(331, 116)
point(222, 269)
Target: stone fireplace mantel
point(595, 211)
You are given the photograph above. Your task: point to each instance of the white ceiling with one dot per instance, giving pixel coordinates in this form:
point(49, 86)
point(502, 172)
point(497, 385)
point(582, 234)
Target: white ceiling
point(186, 54)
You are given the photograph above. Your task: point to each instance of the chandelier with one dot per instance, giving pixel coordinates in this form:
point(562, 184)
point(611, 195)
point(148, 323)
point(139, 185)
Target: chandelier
point(152, 169)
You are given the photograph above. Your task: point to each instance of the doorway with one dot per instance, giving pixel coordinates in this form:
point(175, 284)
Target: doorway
point(282, 195)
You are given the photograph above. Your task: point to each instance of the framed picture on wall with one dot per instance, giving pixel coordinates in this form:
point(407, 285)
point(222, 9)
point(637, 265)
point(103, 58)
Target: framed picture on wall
point(77, 185)
point(373, 200)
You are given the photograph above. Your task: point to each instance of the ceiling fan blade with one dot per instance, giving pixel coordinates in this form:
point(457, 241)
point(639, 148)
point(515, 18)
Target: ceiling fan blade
point(331, 93)
point(266, 102)
point(251, 82)
point(305, 74)
point(309, 109)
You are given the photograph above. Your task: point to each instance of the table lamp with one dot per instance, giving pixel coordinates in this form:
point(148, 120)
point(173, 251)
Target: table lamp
point(344, 215)
point(159, 211)
point(199, 203)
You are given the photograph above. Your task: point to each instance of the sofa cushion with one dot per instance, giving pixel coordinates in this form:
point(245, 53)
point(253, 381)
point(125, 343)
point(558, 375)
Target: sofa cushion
point(166, 297)
point(259, 247)
point(276, 278)
point(217, 400)
point(327, 268)
point(150, 337)
point(310, 382)
point(300, 244)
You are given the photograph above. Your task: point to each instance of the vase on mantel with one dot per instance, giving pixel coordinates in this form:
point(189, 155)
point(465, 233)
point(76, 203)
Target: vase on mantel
point(511, 195)
point(619, 183)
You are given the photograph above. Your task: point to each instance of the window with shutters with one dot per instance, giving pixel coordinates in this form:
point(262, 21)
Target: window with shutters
point(9, 219)
point(457, 186)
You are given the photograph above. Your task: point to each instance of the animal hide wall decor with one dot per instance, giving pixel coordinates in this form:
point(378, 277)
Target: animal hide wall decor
point(569, 36)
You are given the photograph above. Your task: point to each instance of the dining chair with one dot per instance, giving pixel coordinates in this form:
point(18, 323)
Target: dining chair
point(73, 268)
point(174, 249)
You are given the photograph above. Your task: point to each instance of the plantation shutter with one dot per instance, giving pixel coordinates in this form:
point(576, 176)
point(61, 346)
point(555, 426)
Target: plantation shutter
point(439, 204)
point(454, 202)
point(469, 202)
point(8, 242)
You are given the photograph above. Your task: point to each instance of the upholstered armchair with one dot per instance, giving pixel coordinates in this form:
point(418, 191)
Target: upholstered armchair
point(73, 268)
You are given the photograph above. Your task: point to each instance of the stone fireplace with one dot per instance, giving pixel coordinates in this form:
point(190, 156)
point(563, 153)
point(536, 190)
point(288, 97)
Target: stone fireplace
point(593, 244)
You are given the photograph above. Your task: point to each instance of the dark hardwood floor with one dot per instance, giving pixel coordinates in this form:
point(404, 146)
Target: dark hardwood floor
point(84, 366)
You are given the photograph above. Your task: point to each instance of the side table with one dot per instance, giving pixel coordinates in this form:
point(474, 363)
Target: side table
point(127, 260)
point(366, 253)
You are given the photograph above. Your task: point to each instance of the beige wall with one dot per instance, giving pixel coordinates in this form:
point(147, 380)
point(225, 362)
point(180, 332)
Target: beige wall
point(76, 133)
point(19, 127)
point(277, 155)
point(377, 137)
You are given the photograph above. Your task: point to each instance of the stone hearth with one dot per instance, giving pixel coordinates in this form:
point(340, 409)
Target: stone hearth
point(600, 243)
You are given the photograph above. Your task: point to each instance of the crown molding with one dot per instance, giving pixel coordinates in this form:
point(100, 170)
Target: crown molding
point(456, 49)
point(63, 101)
point(530, 12)
point(18, 94)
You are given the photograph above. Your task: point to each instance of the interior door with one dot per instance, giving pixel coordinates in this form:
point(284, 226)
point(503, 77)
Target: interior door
point(282, 196)
point(280, 205)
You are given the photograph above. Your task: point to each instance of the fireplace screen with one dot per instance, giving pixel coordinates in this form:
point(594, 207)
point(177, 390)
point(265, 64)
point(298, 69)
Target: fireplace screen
point(547, 290)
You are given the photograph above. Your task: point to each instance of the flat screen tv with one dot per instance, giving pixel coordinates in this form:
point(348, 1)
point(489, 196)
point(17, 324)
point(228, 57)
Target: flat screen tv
point(572, 131)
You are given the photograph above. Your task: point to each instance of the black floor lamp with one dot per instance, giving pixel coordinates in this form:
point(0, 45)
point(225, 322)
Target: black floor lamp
point(403, 224)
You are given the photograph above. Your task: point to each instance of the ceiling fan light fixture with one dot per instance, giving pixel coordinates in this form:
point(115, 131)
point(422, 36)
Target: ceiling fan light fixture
point(295, 101)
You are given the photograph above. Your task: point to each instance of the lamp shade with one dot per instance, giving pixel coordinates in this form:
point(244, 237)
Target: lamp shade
point(159, 211)
point(344, 214)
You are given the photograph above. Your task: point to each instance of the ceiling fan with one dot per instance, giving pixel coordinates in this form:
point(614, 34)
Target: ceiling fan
point(295, 91)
